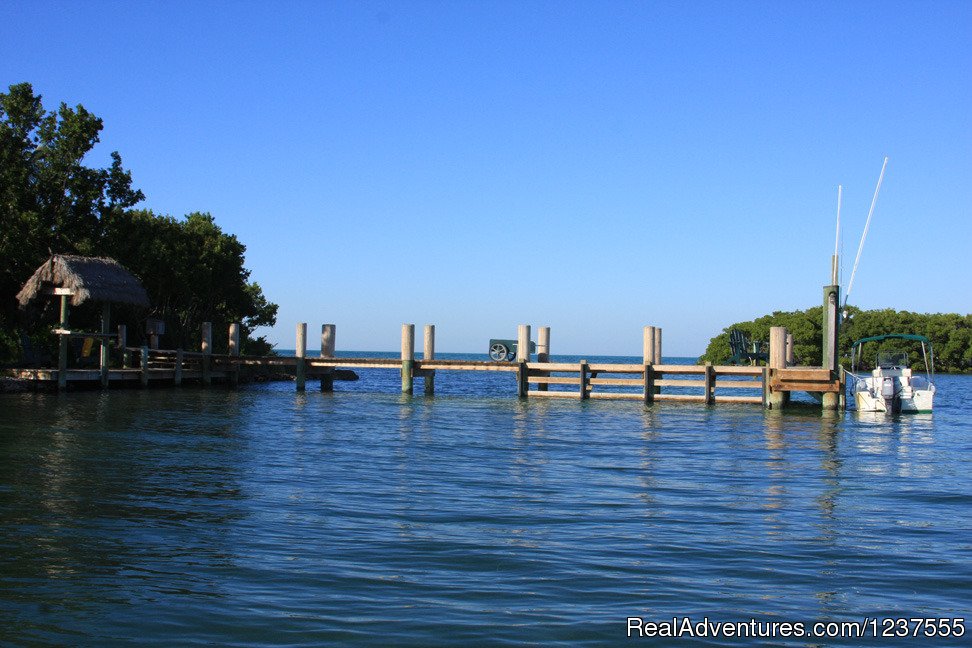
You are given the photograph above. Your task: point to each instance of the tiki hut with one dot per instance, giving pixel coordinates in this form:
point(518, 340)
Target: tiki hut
point(83, 279)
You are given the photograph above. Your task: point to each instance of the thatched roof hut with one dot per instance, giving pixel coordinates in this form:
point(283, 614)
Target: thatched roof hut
point(95, 278)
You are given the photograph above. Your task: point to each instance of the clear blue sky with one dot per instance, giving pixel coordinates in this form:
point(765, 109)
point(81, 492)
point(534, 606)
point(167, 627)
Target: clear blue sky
point(594, 167)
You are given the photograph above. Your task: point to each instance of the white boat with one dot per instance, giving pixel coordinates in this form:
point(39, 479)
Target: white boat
point(891, 387)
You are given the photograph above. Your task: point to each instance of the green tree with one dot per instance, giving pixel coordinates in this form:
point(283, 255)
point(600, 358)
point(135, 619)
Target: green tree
point(50, 202)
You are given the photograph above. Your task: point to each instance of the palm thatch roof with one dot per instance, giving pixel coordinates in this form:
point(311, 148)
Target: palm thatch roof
point(95, 278)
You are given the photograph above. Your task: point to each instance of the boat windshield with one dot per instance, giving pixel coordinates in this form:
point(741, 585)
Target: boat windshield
point(888, 360)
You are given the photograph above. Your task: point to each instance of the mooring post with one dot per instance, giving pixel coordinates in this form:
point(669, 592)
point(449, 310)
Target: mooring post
point(328, 335)
point(207, 350)
point(584, 384)
point(790, 353)
point(62, 345)
point(777, 361)
point(300, 352)
point(522, 358)
point(709, 384)
point(543, 352)
point(429, 354)
point(408, 358)
point(144, 364)
point(177, 372)
point(649, 345)
point(234, 353)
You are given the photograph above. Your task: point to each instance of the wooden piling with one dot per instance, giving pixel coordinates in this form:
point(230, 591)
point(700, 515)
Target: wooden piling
point(328, 337)
point(658, 346)
point(207, 350)
point(104, 356)
point(300, 351)
point(649, 382)
point(777, 361)
point(543, 352)
point(649, 345)
point(584, 384)
point(234, 352)
point(709, 384)
point(522, 358)
point(177, 372)
point(523, 343)
point(789, 350)
point(408, 358)
point(429, 354)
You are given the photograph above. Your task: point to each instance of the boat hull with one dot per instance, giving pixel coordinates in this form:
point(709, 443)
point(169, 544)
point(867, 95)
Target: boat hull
point(920, 402)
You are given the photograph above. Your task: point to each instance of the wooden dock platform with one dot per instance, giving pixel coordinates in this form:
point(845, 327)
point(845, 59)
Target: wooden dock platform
point(649, 381)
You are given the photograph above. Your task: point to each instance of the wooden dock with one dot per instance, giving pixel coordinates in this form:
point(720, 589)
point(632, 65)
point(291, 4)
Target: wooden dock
point(649, 381)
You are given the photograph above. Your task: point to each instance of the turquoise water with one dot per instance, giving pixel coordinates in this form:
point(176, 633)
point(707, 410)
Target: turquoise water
point(363, 517)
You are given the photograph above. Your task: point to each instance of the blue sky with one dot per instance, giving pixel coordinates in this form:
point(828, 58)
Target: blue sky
point(594, 167)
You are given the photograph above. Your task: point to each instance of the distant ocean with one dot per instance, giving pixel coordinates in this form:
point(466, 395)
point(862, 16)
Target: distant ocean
point(264, 517)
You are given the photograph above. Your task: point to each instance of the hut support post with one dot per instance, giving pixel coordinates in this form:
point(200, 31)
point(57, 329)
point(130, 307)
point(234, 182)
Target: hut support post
point(234, 352)
point(62, 345)
point(543, 352)
point(328, 336)
point(207, 349)
point(300, 371)
point(408, 358)
point(105, 323)
point(429, 354)
point(144, 377)
point(777, 361)
point(122, 342)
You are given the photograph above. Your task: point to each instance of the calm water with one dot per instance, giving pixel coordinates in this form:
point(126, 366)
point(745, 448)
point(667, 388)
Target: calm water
point(265, 517)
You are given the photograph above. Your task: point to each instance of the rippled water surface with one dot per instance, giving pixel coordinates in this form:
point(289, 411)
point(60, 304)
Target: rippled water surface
point(362, 517)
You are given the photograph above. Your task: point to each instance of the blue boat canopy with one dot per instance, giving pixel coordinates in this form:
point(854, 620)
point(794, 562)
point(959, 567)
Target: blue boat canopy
point(892, 336)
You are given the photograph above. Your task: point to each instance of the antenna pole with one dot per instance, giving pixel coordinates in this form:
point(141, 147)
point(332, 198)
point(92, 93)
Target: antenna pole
point(867, 224)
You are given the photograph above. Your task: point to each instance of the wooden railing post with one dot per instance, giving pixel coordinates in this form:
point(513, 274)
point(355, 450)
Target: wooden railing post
point(709, 384)
point(300, 371)
point(328, 335)
point(429, 354)
point(234, 353)
point(207, 349)
point(408, 357)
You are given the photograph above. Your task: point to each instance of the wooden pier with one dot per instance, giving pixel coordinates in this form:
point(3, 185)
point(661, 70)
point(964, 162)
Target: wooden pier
point(650, 381)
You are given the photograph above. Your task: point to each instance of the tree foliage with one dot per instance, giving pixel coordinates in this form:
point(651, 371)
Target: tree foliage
point(51, 202)
point(950, 335)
